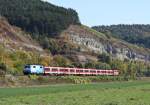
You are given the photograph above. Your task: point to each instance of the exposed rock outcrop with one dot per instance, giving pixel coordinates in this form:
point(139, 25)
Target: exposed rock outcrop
point(99, 43)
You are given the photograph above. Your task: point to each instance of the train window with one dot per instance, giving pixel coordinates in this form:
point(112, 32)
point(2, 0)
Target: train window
point(27, 66)
point(93, 71)
point(66, 70)
point(103, 71)
point(77, 70)
point(98, 71)
point(34, 66)
point(41, 67)
point(86, 71)
point(72, 70)
point(81, 70)
point(61, 70)
point(46, 69)
point(54, 69)
point(111, 72)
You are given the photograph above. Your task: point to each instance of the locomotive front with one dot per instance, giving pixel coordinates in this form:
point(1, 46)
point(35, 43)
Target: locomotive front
point(33, 69)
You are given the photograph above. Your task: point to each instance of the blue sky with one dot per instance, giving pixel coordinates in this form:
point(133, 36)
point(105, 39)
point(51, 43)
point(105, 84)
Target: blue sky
point(107, 12)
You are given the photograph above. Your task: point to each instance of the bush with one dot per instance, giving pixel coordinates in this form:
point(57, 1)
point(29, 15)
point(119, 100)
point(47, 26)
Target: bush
point(61, 61)
point(76, 79)
point(44, 79)
point(33, 77)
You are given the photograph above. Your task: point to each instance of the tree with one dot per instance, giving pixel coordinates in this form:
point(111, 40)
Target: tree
point(61, 61)
point(38, 17)
point(104, 66)
point(132, 70)
point(45, 43)
point(135, 34)
point(45, 60)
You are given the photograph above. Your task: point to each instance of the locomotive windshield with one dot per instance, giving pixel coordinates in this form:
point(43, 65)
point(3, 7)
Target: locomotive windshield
point(27, 66)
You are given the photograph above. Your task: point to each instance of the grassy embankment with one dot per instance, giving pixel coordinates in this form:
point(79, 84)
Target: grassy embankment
point(112, 93)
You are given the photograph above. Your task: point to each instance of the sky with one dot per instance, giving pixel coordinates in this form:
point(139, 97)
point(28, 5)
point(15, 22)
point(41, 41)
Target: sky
point(108, 12)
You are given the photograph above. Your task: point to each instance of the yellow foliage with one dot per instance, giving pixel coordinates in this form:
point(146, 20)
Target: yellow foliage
point(45, 60)
point(61, 61)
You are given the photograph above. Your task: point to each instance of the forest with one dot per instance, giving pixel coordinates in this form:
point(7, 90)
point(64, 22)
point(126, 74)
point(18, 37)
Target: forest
point(38, 17)
point(135, 34)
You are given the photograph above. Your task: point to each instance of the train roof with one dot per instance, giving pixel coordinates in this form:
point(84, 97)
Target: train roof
point(33, 65)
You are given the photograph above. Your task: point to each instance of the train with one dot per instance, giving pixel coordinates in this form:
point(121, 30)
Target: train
point(48, 70)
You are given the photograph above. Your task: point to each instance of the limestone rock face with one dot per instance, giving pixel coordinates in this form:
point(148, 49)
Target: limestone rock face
point(99, 43)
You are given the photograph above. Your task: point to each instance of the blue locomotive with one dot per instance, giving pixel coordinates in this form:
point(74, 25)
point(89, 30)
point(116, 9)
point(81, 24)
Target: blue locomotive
point(33, 69)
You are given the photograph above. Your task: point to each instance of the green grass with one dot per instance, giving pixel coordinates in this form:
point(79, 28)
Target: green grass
point(112, 93)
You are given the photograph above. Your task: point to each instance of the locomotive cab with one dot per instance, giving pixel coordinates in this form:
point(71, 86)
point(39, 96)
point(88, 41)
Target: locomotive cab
point(33, 69)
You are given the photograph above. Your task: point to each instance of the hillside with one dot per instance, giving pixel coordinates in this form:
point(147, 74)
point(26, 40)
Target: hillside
point(38, 17)
point(38, 32)
point(77, 46)
point(17, 48)
point(13, 38)
point(135, 34)
point(93, 41)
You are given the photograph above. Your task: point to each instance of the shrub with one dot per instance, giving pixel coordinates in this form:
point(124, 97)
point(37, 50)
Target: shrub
point(33, 77)
point(77, 79)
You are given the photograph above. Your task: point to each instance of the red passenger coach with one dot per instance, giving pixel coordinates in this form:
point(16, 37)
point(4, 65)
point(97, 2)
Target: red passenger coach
point(78, 71)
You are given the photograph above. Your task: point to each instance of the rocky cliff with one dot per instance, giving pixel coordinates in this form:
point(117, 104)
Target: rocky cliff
point(93, 41)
